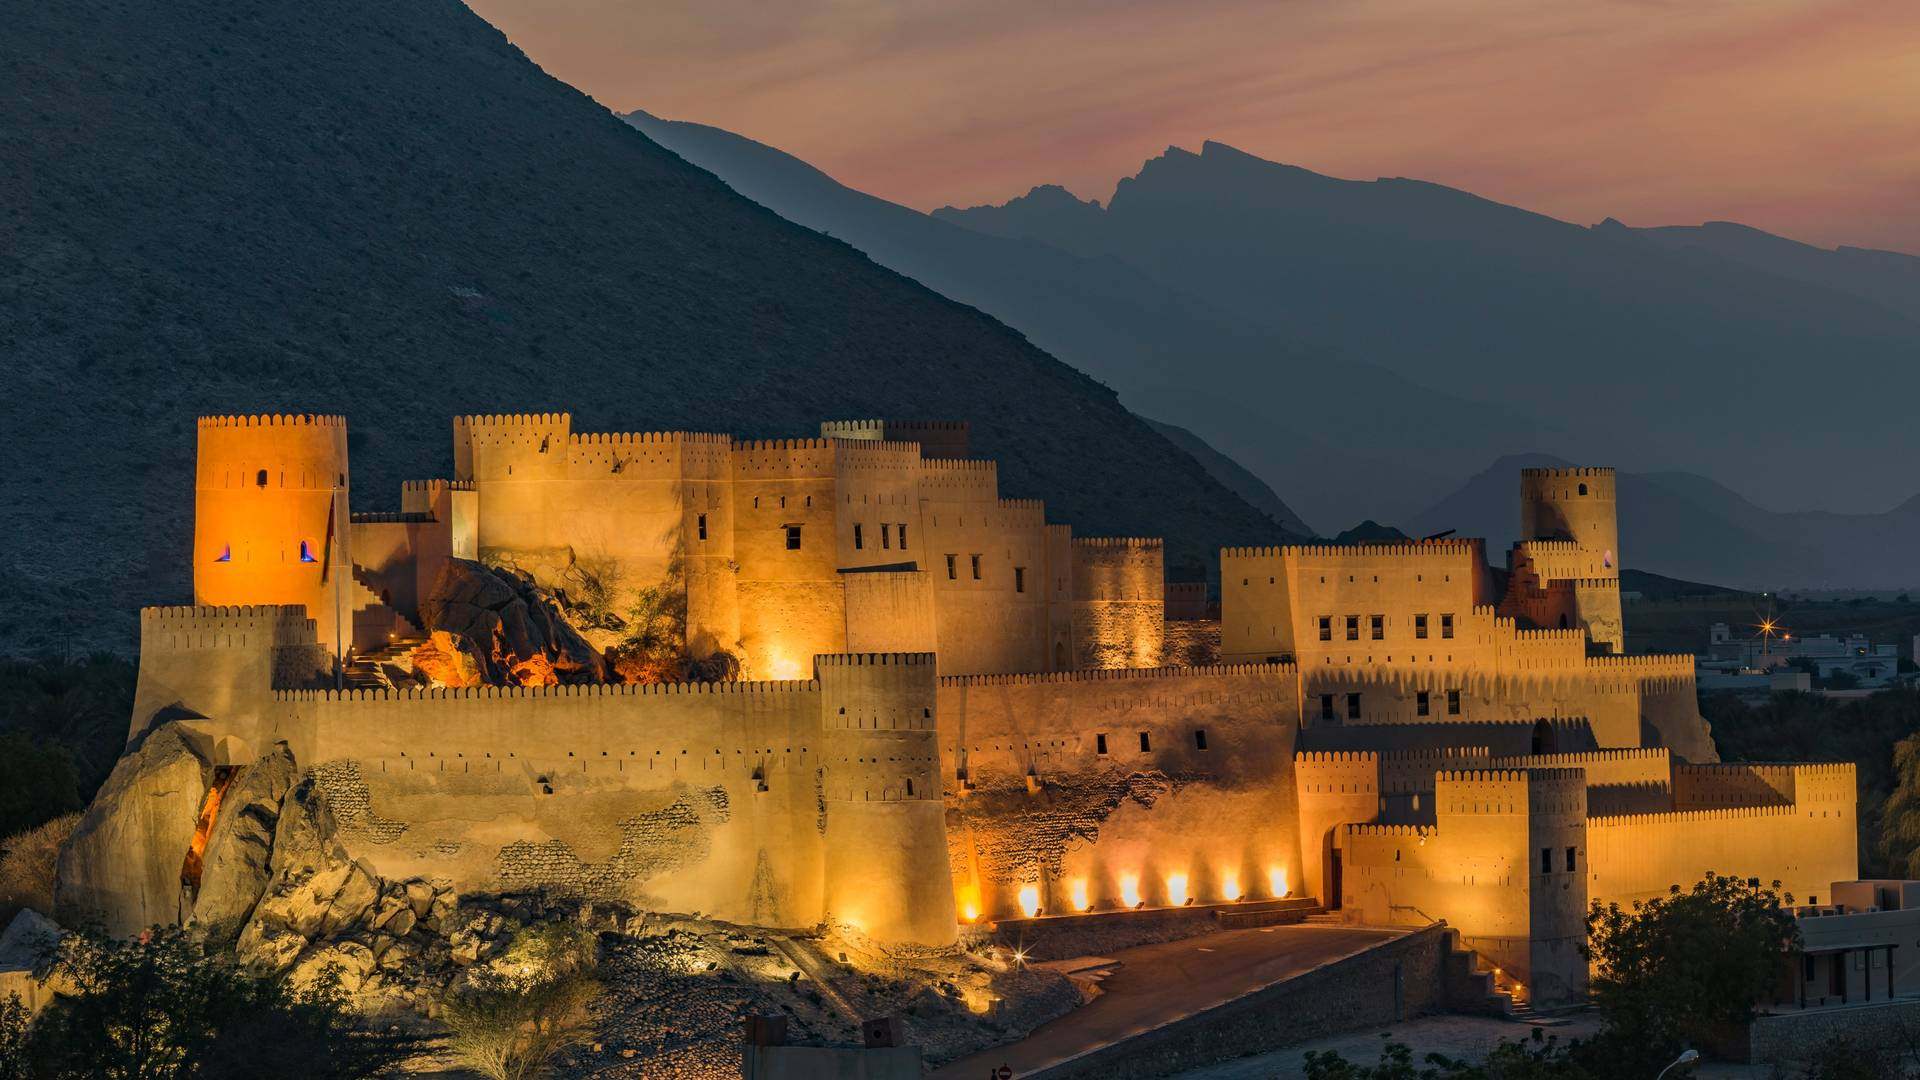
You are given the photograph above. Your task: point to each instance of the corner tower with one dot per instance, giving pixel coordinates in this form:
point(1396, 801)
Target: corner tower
point(1574, 504)
point(270, 521)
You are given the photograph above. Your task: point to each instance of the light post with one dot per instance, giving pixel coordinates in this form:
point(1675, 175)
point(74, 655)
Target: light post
point(1687, 1057)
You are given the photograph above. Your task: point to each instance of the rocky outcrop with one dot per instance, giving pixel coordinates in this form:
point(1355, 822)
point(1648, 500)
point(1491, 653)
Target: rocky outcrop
point(514, 630)
point(237, 863)
point(446, 659)
point(121, 867)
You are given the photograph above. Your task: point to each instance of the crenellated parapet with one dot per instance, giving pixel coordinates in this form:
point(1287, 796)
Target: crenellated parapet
point(260, 420)
point(1271, 672)
point(1398, 550)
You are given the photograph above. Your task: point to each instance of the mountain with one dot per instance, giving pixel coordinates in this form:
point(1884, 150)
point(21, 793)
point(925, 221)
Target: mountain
point(1235, 478)
point(1686, 526)
point(1647, 350)
point(386, 210)
point(1342, 436)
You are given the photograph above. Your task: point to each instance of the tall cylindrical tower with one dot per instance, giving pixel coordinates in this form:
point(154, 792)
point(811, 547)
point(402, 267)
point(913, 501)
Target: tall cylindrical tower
point(1574, 504)
point(887, 869)
point(270, 517)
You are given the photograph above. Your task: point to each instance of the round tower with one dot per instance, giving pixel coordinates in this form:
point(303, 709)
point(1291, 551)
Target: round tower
point(270, 519)
point(1574, 504)
point(887, 868)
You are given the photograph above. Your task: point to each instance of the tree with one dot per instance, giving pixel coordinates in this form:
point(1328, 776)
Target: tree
point(536, 1000)
point(1689, 967)
point(160, 1006)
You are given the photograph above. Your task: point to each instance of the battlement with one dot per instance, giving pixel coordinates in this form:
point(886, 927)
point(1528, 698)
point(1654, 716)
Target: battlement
point(579, 690)
point(169, 616)
point(436, 485)
point(1583, 757)
point(512, 420)
point(959, 465)
point(1570, 473)
point(1441, 753)
point(1656, 663)
point(649, 438)
point(1117, 542)
point(1404, 549)
point(1550, 547)
point(1416, 831)
point(1274, 671)
point(274, 420)
point(838, 660)
point(392, 517)
point(1335, 757)
point(1507, 776)
point(1727, 813)
point(758, 446)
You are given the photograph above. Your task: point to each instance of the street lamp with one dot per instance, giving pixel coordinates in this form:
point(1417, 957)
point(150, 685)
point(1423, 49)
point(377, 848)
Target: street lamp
point(1687, 1057)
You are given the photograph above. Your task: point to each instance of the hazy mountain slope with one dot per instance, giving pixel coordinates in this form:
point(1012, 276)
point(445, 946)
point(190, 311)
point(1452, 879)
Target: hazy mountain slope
point(1329, 428)
point(1645, 355)
point(1235, 477)
point(1690, 527)
point(384, 209)
point(1885, 277)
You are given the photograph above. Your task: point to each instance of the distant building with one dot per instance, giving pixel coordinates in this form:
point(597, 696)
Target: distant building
point(1853, 654)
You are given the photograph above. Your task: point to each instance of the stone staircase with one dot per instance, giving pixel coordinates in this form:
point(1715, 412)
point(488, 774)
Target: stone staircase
point(366, 671)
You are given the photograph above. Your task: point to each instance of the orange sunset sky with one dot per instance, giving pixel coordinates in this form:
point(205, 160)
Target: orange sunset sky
point(1798, 116)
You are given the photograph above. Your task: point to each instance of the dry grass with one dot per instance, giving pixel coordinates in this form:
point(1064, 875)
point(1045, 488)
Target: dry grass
point(27, 863)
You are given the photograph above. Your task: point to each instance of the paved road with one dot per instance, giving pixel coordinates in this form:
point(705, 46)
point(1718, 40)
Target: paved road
point(1156, 984)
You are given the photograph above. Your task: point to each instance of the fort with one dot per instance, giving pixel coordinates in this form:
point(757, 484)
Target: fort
point(941, 709)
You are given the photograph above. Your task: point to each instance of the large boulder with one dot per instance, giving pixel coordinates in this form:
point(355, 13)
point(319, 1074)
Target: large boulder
point(516, 630)
point(239, 853)
point(122, 865)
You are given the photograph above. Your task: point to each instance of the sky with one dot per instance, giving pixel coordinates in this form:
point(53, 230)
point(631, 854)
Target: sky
point(1801, 117)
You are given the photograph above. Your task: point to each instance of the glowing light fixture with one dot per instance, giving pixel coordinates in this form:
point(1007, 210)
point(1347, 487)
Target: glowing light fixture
point(1130, 889)
point(1277, 881)
point(1177, 889)
point(1230, 885)
point(1078, 891)
point(1030, 900)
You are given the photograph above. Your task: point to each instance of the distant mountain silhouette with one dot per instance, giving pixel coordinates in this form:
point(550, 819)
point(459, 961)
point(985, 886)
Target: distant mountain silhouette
point(1235, 478)
point(385, 210)
point(1341, 436)
point(1370, 532)
point(1686, 526)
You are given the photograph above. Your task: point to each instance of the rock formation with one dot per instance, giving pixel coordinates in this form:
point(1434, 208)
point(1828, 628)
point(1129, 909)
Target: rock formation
point(122, 864)
point(501, 625)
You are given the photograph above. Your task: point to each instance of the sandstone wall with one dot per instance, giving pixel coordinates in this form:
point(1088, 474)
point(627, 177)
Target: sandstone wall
point(1119, 602)
point(1034, 803)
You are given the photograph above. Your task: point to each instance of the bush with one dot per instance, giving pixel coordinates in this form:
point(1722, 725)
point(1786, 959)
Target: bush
point(27, 863)
point(513, 1032)
point(159, 1006)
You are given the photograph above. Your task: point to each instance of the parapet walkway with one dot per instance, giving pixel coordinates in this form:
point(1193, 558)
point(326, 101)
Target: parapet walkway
point(1153, 986)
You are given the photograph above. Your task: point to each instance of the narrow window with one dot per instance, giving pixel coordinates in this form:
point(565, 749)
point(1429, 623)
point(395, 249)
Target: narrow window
point(952, 573)
point(1353, 706)
point(1326, 628)
point(859, 541)
point(886, 539)
point(756, 502)
point(1546, 860)
point(1422, 705)
point(1453, 703)
point(909, 787)
point(903, 536)
point(1570, 859)
point(1420, 627)
point(793, 538)
point(1099, 744)
point(1326, 706)
point(1199, 739)
point(226, 554)
point(1583, 489)
point(306, 553)
point(976, 566)
point(1446, 626)
point(1353, 628)
point(1145, 743)
point(260, 478)
point(701, 524)
point(1379, 627)
point(1019, 579)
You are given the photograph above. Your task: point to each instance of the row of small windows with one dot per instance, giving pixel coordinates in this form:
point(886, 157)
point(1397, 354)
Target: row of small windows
point(973, 567)
point(1377, 627)
point(306, 553)
point(1546, 854)
point(1422, 705)
point(783, 501)
point(886, 536)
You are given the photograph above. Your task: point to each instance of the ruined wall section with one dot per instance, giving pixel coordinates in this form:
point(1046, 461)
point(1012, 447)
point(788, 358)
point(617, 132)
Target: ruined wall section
point(1119, 602)
point(271, 521)
point(680, 797)
point(1106, 789)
